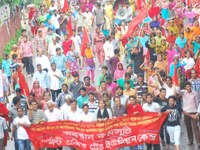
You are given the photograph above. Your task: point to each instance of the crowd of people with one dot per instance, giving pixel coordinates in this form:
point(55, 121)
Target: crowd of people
point(156, 70)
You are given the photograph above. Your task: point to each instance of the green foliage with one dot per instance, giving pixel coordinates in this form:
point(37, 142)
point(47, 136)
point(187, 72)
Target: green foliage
point(14, 41)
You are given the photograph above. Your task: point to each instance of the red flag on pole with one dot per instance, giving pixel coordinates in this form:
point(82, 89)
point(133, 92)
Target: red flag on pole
point(66, 6)
point(23, 84)
point(69, 27)
point(139, 4)
point(175, 80)
point(85, 40)
point(197, 67)
point(137, 20)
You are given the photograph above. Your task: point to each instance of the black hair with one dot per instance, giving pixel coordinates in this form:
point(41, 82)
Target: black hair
point(116, 51)
point(86, 77)
point(119, 87)
point(82, 89)
point(91, 93)
point(149, 94)
point(85, 105)
point(64, 84)
point(32, 94)
point(104, 67)
point(15, 100)
point(39, 65)
point(168, 77)
point(20, 108)
point(114, 98)
point(162, 89)
point(127, 74)
point(33, 101)
point(14, 56)
point(172, 97)
point(127, 82)
point(76, 75)
point(132, 96)
point(58, 48)
point(18, 90)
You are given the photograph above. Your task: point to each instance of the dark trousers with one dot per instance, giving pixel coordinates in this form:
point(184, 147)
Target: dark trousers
point(155, 146)
point(164, 134)
point(55, 93)
point(28, 63)
point(16, 141)
point(192, 123)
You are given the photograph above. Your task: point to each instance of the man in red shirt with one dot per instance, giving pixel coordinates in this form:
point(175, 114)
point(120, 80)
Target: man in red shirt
point(66, 44)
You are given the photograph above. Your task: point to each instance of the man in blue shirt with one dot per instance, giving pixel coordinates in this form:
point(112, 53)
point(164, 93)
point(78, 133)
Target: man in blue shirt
point(6, 64)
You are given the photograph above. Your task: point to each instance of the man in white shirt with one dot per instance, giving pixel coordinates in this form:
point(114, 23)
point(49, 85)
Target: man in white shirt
point(92, 103)
point(42, 58)
point(52, 113)
point(108, 49)
point(52, 47)
point(73, 113)
point(86, 115)
point(66, 107)
point(151, 106)
point(77, 40)
point(170, 88)
point(55, 81)
point(88, 19)
point(19, 123)
point(55, 21)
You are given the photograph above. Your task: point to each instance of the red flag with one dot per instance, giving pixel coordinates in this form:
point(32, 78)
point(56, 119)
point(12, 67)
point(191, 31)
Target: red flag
point(66, 6)
point(69, 27)
point(137, 20)
point(85, 40)
point(23, 84)
point(139, 4)
point(175, 77)
point(197, 67)
point(147, 57)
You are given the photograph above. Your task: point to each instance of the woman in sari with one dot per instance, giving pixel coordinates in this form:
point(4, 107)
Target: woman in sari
point(165, 9)
point(38, 91)
point(99, 39)
point(149, 69)
point(152, 47)
point(119, 72)
point(171, 52)
point(161, 64)
point(196, 29)
point(72, 60)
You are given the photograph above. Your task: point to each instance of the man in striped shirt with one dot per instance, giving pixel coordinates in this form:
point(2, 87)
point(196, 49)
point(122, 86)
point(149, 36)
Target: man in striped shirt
point(92, 103)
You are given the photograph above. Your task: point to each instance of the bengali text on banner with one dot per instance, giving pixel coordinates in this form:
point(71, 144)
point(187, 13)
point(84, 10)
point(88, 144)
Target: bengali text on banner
point(107, 135)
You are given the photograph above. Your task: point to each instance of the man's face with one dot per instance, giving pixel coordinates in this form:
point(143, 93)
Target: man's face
point(87, 81)
point(149, 99)
point(20, 112)
point(119, 91)
point(91, 97)
point(140, 79)
point(73, 106)
point(168, 82)
point(39, 68)
point(64, 88)
point(188, 88)
point(58, 52)
point(127, 86)
point(83, 93)
point(18, 94)
point(163, 93)
point(193, 74)
point(171, 102)
point(50, 107)
point(34, 105)
point(117, 102)
point(85, 109)
point(130, 69)
point(133, 101)
point(53, 67)
point(76, 79)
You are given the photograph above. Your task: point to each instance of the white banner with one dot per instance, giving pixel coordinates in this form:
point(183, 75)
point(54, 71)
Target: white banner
point(4, 14)
point(1, 84)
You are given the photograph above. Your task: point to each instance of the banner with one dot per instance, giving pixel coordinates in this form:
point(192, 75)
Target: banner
point(107, 135)
point(1, 85)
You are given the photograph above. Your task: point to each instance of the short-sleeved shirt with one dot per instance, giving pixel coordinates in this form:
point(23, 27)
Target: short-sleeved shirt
point(38, 116)
point(12, 112)
point(174, 116)
point(153, 107)
point(21, 132)
point(3, 127)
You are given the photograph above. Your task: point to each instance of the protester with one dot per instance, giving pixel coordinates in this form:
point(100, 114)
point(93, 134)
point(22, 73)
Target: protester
point(155, 52)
